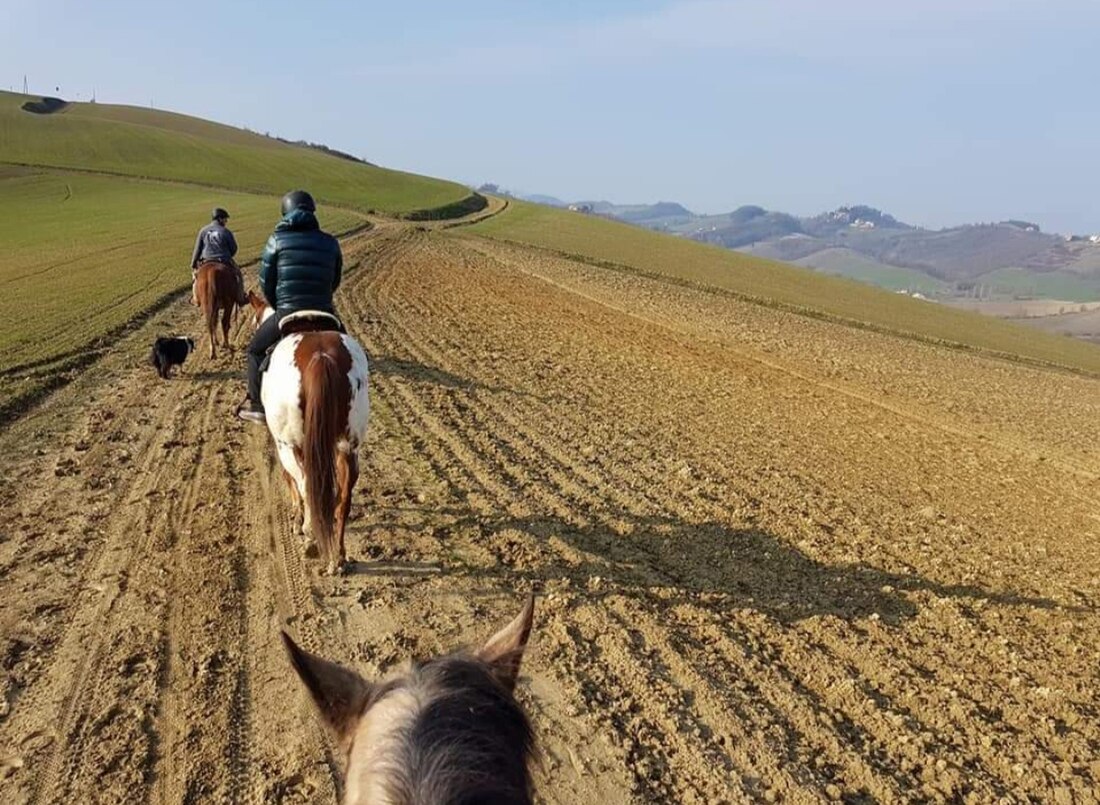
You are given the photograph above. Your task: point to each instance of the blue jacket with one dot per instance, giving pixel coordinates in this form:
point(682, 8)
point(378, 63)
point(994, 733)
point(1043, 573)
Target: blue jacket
point(301, 265)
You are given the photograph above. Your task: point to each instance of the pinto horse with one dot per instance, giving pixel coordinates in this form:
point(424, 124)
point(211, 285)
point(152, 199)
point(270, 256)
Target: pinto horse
point(315, 395)
point(216, 290)
point(448, 730)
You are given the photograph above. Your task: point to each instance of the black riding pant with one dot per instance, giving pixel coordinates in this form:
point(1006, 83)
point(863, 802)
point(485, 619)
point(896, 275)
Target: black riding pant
point(267, 336)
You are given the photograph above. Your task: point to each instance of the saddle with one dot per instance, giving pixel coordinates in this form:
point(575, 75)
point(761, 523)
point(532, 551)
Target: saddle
point(303, 321)
point(309, 321)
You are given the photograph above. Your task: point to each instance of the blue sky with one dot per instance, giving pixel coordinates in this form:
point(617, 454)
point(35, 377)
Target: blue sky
point(940, 112)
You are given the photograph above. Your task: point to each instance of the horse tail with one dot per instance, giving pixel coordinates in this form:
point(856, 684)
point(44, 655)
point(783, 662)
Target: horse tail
point(325, 392)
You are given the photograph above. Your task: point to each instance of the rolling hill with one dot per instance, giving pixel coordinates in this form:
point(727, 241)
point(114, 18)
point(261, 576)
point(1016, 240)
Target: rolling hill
point(1007, 259)
point(853, 265)
point(146, 143)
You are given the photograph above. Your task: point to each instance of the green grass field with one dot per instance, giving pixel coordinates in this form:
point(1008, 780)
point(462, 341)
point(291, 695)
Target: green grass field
point(84, 254)
point(147, 143)
point(855, 266)
point(1054, 285)
point(600, 240)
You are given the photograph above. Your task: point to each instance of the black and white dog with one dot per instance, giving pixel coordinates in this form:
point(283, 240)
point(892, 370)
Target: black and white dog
point(169, 352)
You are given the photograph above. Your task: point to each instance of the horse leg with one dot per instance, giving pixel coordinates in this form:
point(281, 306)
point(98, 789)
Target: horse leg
point(292, 468)
point(347, 473)
point(292, 485)
point(307, 514)
point(227, 317)
point(212, 330)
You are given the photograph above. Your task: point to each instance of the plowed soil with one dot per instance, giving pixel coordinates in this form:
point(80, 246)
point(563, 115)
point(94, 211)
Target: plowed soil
point(776, 558)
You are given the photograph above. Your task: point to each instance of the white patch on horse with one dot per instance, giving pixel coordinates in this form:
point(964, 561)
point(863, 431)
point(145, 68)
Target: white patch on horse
point(281, 393)
point(358, 377)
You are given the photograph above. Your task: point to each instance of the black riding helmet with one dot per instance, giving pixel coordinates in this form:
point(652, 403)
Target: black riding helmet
point(218, 213)
point(298, 200)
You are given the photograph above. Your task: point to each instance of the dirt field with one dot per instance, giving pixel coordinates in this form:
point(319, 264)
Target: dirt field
point(777, 559)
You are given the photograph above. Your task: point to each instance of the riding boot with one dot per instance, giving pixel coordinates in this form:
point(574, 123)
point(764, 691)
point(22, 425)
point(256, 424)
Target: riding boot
point(266, 337)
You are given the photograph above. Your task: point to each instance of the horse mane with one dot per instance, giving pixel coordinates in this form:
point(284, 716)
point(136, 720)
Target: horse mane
point(470, 742)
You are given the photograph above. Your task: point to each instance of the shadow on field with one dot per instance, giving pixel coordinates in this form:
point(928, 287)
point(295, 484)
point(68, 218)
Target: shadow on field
point(412, 370)
point(669, 561)
point(208, 375)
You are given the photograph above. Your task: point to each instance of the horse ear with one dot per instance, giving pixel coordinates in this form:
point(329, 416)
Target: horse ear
point(340, 694)
point(504, 650)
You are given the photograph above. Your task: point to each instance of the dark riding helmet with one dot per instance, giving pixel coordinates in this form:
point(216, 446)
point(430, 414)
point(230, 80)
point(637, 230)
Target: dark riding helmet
point(218, 213)
point(298, 200)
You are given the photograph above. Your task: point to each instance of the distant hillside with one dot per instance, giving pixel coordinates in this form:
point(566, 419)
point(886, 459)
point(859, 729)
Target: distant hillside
point(654, 216)
point(149, 143)
point(549, 201)
point(1008, 260)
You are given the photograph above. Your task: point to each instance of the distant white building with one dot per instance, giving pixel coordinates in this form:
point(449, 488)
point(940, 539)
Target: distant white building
point(1094, 238)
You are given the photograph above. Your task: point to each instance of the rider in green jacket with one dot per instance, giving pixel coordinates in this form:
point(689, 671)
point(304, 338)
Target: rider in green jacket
point(300, 269)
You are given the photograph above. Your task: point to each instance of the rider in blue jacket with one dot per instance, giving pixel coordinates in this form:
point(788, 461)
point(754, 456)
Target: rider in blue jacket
point(300, 270)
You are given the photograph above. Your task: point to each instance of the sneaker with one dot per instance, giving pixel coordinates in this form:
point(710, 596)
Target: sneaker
point(249, 415)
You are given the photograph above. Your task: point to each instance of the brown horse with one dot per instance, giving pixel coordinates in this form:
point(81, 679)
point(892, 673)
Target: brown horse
point(258, 308)
point(448, 730)
point(216, 290)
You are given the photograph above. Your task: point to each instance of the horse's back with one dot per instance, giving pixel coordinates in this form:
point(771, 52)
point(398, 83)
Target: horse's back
point(283, 382)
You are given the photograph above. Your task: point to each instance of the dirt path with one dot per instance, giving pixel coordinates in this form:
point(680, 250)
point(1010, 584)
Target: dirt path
point(776, 558)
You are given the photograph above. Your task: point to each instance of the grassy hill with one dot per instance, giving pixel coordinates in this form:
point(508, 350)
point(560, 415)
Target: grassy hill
point(620, 245)
point(85, 254)
point(1063, 285)
point(855, 266)
point(139, 142)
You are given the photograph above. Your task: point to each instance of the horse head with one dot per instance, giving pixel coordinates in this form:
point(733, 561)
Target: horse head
point(448, 729)
point(259, 308)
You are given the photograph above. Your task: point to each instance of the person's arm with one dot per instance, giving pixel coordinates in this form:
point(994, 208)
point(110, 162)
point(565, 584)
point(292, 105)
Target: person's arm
point(231, 243)
point(198, 249)
point(339, 273)
point(269, 270)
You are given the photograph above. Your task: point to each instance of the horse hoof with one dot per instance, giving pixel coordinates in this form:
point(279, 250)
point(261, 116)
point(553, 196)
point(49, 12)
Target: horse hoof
point(311, 551)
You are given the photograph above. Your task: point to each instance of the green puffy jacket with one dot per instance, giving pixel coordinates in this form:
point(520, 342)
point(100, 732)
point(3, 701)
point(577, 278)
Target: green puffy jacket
point(301, 265)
